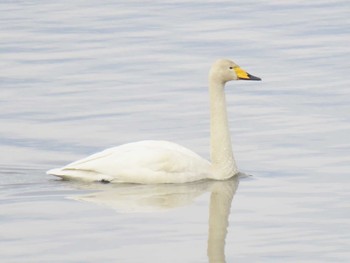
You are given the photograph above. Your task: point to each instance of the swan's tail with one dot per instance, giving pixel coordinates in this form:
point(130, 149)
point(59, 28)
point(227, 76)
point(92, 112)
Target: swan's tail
point(81, 175)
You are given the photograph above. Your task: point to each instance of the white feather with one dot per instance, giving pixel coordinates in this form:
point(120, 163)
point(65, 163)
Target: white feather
point(139, 162)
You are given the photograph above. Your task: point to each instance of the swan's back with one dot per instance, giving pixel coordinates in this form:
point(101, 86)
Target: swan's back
point(139, 162)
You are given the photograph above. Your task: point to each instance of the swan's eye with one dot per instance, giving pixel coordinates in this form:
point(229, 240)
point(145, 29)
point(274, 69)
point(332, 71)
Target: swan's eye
point(231, 67)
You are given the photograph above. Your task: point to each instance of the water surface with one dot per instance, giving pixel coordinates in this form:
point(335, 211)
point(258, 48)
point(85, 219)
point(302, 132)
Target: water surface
point(78, 77)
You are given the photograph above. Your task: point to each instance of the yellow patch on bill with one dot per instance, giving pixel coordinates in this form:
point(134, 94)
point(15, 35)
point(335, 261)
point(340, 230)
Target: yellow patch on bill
point(241, 74)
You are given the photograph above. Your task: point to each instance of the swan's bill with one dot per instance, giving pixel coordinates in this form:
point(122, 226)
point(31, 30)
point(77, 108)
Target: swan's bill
point(242, 74)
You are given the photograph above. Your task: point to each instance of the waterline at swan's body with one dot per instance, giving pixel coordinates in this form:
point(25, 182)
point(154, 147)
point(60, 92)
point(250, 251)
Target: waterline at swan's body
point(151, 162)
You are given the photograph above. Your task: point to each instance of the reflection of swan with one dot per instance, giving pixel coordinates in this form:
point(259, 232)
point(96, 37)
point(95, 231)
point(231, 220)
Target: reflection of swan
point(147, 198)
point(167, 162)
point(220, 204)
point(143, 198)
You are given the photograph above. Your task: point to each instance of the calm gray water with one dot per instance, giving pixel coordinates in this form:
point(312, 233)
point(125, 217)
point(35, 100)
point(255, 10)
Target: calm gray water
point(80, 76)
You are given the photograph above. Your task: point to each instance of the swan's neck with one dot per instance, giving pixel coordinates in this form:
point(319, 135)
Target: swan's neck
point(223, 163)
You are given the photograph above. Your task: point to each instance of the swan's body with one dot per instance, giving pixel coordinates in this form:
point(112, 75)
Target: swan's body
point(139, 162)
point(166, 162)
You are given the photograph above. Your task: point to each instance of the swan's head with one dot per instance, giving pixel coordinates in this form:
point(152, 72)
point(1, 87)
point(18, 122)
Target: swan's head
point(224, 70)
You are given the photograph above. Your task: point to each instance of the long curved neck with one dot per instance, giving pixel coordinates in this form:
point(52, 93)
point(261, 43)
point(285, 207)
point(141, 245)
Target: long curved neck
point(223, 163)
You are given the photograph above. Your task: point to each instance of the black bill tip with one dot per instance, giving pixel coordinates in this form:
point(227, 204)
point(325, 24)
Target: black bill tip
point(251, 77)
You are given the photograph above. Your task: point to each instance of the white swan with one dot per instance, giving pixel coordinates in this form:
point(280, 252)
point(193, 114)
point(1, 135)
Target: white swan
point(151, 162)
